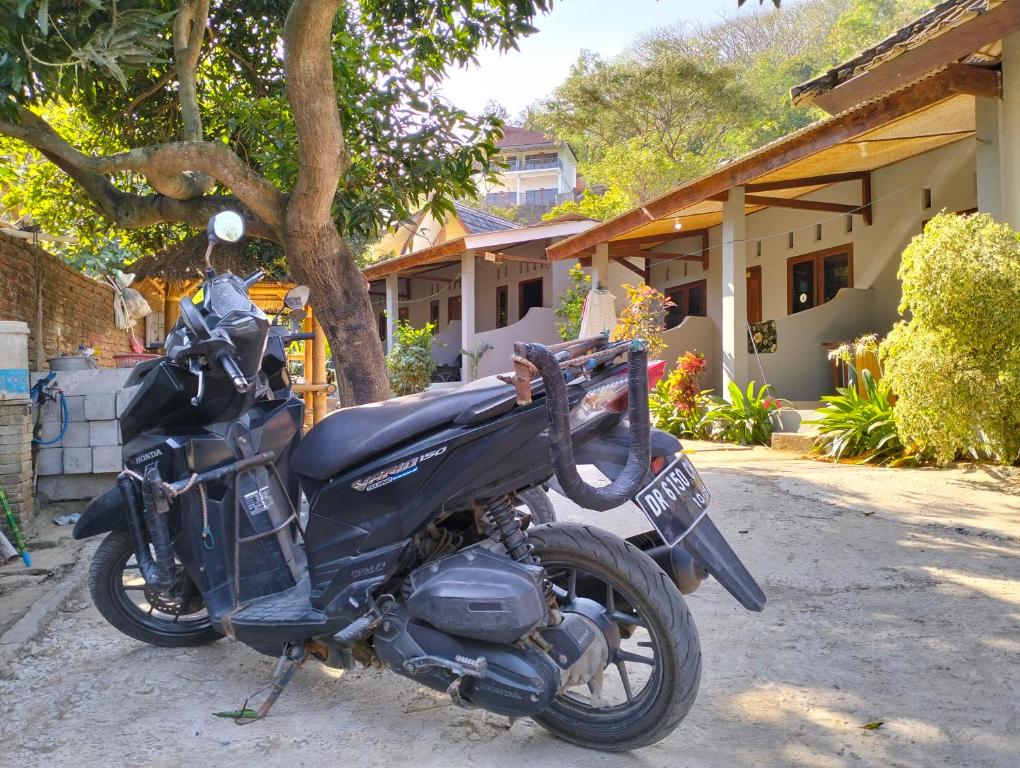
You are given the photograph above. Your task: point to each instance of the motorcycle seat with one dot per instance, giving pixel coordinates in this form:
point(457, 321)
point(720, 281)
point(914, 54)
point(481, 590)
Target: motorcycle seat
point(348, 436)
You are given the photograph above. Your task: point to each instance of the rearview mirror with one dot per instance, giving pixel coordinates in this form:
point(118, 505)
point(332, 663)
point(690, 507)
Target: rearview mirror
point(226, 226)
point(297, 297)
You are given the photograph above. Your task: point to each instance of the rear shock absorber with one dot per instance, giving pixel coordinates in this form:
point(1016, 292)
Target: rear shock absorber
point(508, 528)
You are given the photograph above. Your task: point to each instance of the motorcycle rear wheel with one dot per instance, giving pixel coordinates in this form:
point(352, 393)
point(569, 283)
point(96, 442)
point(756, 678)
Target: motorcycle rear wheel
point(648, 608)
point(174, 620)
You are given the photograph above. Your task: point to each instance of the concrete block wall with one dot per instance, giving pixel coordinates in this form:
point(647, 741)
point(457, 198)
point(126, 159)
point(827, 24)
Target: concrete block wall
point(16, 461)
point(85, 460)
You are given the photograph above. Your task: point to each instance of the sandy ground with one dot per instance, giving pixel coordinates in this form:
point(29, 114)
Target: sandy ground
point(894, 596)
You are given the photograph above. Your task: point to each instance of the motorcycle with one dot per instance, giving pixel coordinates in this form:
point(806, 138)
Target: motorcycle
point(415, 554)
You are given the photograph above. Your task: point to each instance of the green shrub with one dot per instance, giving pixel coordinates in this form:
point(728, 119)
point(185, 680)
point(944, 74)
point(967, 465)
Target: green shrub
point(409, 364)
point(746, 419)
point(862, 427)
point(572, 303)
point(955, 364)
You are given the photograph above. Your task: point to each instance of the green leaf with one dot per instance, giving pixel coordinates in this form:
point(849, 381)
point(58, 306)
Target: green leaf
point(874, 725)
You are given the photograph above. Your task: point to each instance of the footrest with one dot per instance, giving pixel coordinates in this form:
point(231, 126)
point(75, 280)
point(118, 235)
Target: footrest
point(292, 607)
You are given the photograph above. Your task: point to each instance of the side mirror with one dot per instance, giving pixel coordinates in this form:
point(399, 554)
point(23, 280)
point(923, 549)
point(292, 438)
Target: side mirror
point(297, 297)
point(226, 227)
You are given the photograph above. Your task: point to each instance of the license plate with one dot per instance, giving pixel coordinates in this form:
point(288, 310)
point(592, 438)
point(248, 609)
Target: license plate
point(674, 499)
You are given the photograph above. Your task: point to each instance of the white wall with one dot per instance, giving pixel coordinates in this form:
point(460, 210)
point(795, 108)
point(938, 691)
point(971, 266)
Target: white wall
point(898, 216)
point(488, 276)
point(538, 325)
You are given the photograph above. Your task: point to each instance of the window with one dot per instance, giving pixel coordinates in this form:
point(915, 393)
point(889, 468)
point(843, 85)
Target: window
point(403, 314)
point(690, 299)
point(529, 295)
point(925, 199)
point(544, 160)
point(434, 311)
point(501, 199)
point(502, 306)
point(540, 197)
point(382, 327)
point(452, 308)
point(815, 278)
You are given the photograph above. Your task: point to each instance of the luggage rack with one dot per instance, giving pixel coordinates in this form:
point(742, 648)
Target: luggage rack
point(573, 357)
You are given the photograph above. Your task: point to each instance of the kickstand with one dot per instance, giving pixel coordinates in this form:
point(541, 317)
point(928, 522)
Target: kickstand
point(289, 663)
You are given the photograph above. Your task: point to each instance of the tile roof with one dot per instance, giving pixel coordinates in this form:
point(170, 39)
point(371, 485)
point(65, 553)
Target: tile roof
point(940, 19)
point(476, 221)
point(522, 137)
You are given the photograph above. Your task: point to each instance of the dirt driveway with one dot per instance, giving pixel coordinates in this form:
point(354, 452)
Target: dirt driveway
point(894, 596)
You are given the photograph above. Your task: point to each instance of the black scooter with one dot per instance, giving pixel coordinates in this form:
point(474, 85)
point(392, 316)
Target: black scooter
point(415, 555)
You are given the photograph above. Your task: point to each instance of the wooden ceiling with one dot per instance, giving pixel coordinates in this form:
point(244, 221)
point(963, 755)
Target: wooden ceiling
point(931, 114)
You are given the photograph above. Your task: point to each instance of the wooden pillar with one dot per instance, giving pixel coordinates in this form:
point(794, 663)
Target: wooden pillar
point(467, 311)
point(319, 373)
point(734, 291)
point(172, 292)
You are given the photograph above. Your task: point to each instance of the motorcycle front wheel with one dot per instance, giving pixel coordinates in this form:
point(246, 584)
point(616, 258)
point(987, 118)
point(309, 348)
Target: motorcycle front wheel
point(654, 669)
point(176, 618)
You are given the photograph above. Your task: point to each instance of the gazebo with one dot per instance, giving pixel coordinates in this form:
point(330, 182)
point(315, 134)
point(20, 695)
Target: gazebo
point(171, 274)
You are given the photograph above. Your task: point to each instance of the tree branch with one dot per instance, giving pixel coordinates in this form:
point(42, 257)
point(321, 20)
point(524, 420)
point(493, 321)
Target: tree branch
point(308, 65)
point(158, 163)
point(188, 34)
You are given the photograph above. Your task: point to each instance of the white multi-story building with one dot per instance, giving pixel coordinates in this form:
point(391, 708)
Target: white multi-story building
point(541, 172)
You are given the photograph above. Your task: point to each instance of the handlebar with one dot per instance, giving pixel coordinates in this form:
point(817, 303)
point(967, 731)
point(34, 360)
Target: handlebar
point(233, 370)
point(310, 336)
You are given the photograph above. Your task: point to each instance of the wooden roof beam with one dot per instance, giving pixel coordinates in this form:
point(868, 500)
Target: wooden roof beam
point(642, 273)
point(807, 181)
point(796, 202)
point(951, 46)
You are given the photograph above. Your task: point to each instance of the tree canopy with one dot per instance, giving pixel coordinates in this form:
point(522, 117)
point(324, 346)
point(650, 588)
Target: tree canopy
point(685, 98)
point(318, 119)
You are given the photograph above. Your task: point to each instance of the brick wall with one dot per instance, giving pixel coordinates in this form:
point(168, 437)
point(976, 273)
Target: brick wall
point(16, 461)
point(75, 309)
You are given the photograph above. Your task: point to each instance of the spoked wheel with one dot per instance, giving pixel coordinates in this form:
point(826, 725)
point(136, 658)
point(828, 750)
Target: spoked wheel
point(654, 666)
point(172, 619)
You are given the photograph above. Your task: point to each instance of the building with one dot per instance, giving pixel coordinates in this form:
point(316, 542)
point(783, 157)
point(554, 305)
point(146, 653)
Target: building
point(541, 173)
point(481, 279)
point(778, 255)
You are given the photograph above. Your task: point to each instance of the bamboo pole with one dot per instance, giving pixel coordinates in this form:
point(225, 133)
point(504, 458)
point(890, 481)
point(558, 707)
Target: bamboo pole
point(306, 371)
point(319, 373)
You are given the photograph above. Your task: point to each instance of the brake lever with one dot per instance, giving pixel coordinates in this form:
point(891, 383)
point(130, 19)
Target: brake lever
point(195, 367)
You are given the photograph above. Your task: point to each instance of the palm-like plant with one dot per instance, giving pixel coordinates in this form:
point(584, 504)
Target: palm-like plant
point(852, 425)
point(746, 418)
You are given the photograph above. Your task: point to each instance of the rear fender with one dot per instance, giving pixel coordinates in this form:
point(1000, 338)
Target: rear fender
point(105, 513)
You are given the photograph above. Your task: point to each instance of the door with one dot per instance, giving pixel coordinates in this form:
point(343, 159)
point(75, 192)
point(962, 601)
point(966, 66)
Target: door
point(753, 295)
point(529, 295)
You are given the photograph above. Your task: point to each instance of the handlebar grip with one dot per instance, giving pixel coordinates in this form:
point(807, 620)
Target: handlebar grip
point(233, 370)
point(301, 337)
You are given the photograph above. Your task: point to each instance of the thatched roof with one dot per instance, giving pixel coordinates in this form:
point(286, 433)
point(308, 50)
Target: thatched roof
point(185, 260)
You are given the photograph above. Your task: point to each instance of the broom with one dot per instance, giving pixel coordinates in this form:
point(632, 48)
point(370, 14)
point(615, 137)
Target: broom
point(19, 540)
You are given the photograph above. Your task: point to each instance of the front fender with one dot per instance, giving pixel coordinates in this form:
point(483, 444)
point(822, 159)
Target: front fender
point(104, 513)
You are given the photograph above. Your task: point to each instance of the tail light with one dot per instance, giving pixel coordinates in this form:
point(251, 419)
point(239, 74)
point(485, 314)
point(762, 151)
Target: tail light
point(611, 396)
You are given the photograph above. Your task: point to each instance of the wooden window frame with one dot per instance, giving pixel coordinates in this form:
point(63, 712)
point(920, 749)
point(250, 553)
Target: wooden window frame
point(686, 288)
point(449, 306)
point(520, 295)
point(434, 312)
point(505, 291)
point(818, 257)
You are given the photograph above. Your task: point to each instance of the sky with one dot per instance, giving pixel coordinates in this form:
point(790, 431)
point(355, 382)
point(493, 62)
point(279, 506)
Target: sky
point(518, 78)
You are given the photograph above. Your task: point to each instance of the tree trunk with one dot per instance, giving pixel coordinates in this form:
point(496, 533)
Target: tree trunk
point(340, 301)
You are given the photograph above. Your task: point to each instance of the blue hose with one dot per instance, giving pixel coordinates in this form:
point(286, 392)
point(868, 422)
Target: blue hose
point(63, 424)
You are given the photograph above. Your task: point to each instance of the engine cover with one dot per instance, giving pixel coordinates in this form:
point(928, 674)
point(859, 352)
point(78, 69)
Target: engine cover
point(479, 594)
point(512, 680)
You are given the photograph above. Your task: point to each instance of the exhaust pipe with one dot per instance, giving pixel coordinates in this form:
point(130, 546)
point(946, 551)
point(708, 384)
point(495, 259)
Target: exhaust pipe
point(686, 572)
